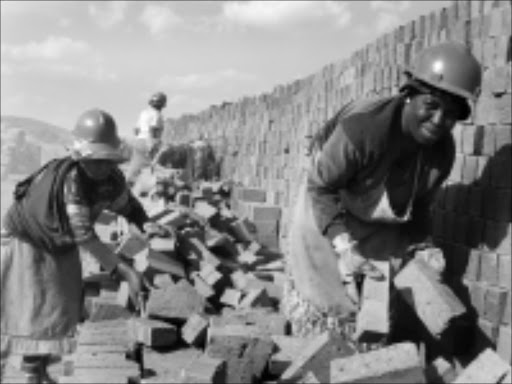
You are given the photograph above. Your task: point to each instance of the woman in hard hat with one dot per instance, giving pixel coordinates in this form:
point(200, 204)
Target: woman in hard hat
point(374, 174)
point(49, 223)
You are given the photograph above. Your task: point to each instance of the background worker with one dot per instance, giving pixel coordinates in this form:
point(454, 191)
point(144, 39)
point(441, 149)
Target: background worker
point(47, 227)
point(376, 168)
point(148, 137)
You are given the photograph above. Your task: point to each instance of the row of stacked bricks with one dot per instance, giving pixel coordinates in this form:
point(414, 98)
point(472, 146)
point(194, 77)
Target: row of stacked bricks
point(266, 138)
point(472, 216)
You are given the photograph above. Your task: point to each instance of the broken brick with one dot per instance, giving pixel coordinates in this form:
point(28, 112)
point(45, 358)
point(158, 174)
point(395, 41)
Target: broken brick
point(316, 357)
point(194, 330)
point(397, 363)
point(435, 304)
point(152, 333)
point(204, 370)
point(488, 367)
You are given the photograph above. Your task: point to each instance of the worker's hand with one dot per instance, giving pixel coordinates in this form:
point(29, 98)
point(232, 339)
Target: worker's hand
point(135, 280)
point(154, 229)
point(432, 255)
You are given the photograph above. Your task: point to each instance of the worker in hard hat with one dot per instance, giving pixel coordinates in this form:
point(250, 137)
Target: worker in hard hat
point(49, 224)
point(148, 137)
point(375, 169)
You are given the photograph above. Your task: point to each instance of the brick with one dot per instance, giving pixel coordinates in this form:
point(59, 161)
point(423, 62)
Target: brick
point(132, 245)
point(195, 329)
point(183, 198)
point(231, 297)
point(201, 286)
point(477, 293)
point(242, 230)
point(309, 378)
point(252, 195)
point(211, 276)
point(160, 244)
point(263, 212)
point(176, 302)
point(161, 280)
point(456, 171)
point(489, 140)
point(494, 304)
point(264, 319)
point(398, 363)
point(316, 358)
point(489, 331)
point(505, 271)
point(123, 295)
point(473, 266)
point(106, 308)
point(372, 322)
point(152, 333)
point(205, 370)
point(239, 279)
point(503, 346)
point(489, 267)
point(150, 259)
point(470, 169)
point(440, 371)
point(286, 351)
point(205, 210)
point(256, 298)
point(488, 367)
point(497, 237)
point(468, 139)
point(246, 355)
point(435, 304)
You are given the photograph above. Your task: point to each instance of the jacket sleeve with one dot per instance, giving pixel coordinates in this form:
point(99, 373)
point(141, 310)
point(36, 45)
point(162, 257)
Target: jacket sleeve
point(332, 169)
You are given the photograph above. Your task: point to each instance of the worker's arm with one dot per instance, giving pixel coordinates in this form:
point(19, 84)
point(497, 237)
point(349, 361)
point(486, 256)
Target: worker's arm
point(332, 169)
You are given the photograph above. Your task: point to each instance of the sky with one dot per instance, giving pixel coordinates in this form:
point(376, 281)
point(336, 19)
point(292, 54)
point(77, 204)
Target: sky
point(61, 58)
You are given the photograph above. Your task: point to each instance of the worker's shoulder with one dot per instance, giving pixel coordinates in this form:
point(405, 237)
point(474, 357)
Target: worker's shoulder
point(369, 123)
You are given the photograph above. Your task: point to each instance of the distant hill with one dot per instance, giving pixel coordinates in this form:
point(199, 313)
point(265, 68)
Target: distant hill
point(37, 131)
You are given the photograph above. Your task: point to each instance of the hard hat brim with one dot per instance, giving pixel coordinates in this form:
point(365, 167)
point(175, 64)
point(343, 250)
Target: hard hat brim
point(103, 152)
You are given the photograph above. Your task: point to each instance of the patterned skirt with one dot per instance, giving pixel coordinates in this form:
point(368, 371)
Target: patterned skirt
point(40, 298)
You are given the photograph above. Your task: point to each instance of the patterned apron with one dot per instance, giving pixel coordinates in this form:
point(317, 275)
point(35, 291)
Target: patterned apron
point(315, 291)
point(40, 296)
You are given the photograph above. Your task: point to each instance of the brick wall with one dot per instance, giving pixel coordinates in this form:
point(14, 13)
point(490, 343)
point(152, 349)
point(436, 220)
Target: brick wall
point(261, 141)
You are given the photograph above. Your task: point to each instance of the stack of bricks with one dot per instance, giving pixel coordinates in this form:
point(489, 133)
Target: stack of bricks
point(265, 138)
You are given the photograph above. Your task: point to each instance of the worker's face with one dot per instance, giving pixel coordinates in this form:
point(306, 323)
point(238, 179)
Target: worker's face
point(432, 116)
point(97, 169)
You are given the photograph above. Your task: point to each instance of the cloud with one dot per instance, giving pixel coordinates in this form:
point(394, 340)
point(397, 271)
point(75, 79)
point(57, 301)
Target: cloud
point(107, 14)
point(282, 13)
point(57, 56)
point(390, 6)
point(159, 18)
point(52, 48)
point(389, 14)
point(203, 80)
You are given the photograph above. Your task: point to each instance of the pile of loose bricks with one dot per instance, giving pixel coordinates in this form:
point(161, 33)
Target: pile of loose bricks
point(262, 141)
point(213, 309)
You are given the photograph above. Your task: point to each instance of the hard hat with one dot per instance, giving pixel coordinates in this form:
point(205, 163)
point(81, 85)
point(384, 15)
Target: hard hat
point(159, 99)
point(450, 67)
point(96, 136)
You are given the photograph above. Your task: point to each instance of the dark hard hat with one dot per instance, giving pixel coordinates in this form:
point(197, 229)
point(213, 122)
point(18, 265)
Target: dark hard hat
point(158, 99)
point(451, 67)
point(97, 132)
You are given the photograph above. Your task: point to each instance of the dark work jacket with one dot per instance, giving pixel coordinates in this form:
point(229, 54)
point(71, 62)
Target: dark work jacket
point(359, 149)
point(38, 213)
point(355, 152)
